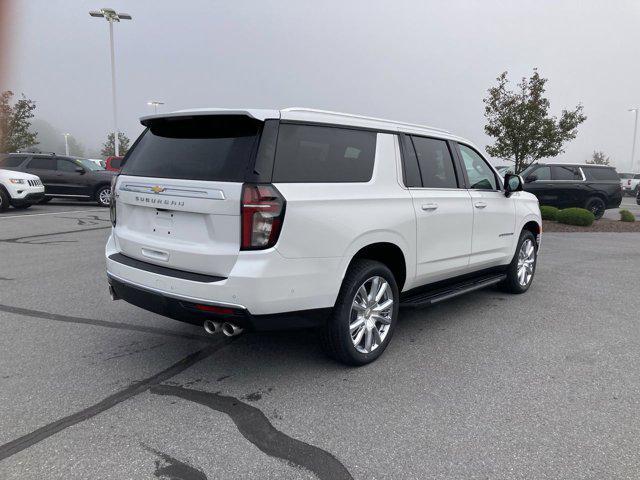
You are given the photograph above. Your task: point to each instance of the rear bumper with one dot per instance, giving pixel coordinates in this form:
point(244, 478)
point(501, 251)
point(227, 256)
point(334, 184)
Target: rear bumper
point(185, 310)
point(262, 282)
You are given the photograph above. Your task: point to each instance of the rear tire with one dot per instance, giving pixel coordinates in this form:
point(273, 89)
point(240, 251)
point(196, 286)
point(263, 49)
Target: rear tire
point(596, 206)
point(364, 316)
point(523, 266)
point(4, 200)
point(103, 196)
point(46, 200)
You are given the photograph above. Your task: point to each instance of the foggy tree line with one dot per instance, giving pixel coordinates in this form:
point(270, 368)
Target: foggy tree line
point(20, 131)
point(518, 119)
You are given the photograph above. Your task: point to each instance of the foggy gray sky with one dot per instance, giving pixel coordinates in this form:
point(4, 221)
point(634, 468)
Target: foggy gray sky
point(427, 62)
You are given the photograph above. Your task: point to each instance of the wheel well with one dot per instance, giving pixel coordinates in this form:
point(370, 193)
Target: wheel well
point(99, 186)
point(534, 228)
point(388, 254)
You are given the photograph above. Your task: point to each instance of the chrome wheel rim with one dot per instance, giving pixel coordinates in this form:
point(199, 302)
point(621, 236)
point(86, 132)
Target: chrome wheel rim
point(105, 196)
point(371, 314)
point(526, 262)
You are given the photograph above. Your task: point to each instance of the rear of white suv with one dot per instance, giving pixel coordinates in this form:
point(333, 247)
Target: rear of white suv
point(259, 219)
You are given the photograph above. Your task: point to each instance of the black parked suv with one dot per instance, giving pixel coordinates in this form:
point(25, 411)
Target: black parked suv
point(64, 177)
point(594, 187)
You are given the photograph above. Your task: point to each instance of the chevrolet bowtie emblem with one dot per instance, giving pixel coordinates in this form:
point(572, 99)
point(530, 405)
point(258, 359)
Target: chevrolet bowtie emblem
point(157, 189)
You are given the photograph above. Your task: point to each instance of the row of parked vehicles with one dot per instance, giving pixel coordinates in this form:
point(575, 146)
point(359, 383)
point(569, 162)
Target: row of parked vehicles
point(30, 178)
point(38, 178)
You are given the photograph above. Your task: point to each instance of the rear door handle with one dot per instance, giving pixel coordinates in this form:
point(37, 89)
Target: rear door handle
point(480, 204)
point(429, 206)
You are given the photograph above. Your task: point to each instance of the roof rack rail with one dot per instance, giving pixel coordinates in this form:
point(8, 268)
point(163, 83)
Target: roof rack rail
point(363, 117)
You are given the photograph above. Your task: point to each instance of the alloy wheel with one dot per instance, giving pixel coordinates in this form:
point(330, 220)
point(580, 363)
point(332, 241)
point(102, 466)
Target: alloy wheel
point(371, 314)
point(526, 262)
point(105, 196)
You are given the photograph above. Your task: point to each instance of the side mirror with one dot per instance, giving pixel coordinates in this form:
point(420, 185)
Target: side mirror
point(512, 183)
point(531, 178)
point(80, 170)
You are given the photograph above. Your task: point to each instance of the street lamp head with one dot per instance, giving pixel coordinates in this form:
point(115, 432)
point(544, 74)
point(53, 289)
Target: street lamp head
point(110, 14)
point(154, 102)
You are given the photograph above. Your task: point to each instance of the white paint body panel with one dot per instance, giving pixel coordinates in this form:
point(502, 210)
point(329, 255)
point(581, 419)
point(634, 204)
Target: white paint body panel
point(325, 225)
point(18, 191)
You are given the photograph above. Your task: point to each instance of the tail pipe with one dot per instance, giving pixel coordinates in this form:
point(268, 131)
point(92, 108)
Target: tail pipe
point(212, 327)
point(231, 329)
point(113, 294)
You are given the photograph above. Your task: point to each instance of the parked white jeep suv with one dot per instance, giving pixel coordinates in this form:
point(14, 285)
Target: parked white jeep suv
point(19, 189)
point(267, 219)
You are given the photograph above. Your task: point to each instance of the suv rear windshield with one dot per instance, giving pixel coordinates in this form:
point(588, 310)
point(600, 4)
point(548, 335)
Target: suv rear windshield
point(217, 148)
point(600, 173)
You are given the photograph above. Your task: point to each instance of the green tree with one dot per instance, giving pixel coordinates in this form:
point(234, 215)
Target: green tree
point(599, 158)
point(109, 147)
point(520, 122)
point(15, 121)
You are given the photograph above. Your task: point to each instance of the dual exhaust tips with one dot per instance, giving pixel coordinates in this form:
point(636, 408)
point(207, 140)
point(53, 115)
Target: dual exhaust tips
point(227, 328)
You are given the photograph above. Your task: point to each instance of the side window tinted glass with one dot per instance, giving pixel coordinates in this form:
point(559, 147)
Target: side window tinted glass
point(563, 172)
point(436, 163)
point(12, 161)
point(601, 173)
point(410, 163)
point(542, 173)
point(42, 163)
point(66, 166)
point(312, 154)
point(481, 177)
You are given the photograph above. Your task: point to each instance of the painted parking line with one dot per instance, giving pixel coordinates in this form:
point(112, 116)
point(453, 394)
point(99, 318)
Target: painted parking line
point(52, 213)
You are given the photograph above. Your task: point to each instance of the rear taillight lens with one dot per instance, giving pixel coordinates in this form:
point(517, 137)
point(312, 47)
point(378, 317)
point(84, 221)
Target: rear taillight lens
point(112, 202)
point(262, 212)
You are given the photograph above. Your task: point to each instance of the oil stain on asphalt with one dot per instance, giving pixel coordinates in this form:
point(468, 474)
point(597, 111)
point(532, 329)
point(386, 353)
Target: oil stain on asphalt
point(256, 427)
point(171, 468)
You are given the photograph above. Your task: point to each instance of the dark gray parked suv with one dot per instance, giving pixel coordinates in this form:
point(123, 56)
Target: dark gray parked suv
point(594, 187)
point(64, 177)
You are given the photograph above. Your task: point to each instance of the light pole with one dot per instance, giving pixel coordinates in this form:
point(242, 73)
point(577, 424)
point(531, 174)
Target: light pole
point(155, 104)
point(635, 133)
point(112, 16)
point(66, 143)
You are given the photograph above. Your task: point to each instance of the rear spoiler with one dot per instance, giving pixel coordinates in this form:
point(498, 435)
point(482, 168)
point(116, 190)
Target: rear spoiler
point(255, 113)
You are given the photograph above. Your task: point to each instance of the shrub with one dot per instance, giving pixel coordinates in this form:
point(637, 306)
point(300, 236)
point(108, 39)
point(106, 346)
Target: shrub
point(576, 216)
point(626, 216)
point(549, 213)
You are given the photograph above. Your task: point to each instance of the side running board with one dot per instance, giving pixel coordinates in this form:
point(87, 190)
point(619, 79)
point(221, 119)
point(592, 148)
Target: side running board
point(422, 299)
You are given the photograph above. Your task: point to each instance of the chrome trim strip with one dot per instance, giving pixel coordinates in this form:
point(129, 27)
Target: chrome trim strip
point(205, 193)
point(65, 195)
point(174, 295)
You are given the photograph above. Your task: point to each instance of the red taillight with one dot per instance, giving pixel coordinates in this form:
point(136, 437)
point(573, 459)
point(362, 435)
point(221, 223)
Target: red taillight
point(262, 212)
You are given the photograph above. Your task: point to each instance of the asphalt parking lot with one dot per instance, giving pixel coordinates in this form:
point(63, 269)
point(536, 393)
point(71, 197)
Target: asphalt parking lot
point(489, 385)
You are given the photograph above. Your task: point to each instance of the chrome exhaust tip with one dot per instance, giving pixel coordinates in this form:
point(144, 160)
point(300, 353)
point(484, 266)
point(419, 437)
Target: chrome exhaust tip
point(231, 330)
point(112, 293)
point(212, 327)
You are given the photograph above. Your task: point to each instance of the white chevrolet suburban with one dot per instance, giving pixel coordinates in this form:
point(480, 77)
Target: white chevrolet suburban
point(268, 219)
point(19, 190)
